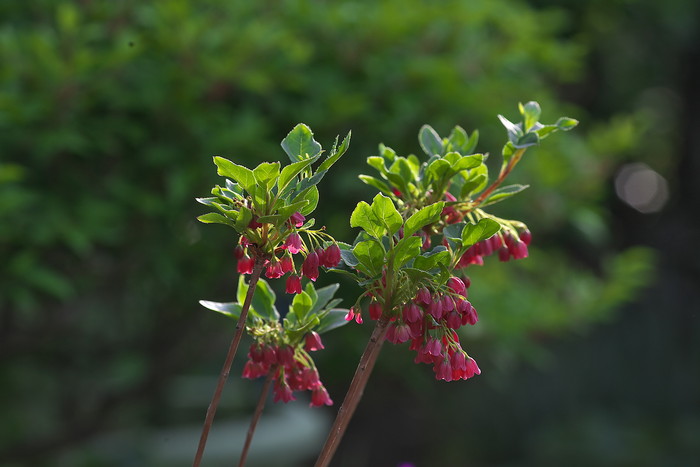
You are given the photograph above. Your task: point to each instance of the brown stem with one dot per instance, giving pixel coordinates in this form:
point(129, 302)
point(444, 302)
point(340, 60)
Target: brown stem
point(256, 415)
point(501, 177)
point(354, 394)
point(223, 376)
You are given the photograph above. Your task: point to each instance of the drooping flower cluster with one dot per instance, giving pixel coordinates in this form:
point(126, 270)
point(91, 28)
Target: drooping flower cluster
point(276, 267)
point(505, 244)
point(292, 366)
point(429, 322)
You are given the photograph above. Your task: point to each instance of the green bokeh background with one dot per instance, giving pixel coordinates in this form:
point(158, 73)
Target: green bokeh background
point(110, 113)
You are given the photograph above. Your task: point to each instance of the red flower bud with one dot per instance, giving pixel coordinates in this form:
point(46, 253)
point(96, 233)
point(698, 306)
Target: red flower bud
point(312, 342)
point(287, 264)
point(245, 265)
point(238, 252)
point(310, 266)
point(526, 236)
point(319, 397)
point(293, 284)
point(293, 243)
point(297, 220)
point(274, 269)
point(331, 256)
point(456, 284)
point(375, 310)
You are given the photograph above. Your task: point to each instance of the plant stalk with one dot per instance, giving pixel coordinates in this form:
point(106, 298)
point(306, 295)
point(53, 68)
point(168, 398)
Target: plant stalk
point(223, 376)
point(501, 177)
point(256, 415)
point(354, 394)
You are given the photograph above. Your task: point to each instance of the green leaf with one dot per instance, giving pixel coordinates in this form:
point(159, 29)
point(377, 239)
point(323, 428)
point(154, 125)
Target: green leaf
point(266, 174)
point(384, 209)
point(514, 131)
point(528, 139)
point(292, 170)
point(370, 256)
point(430, 141)
point(311, 181)
point(243, 175)
point(407, 249)
point(376, 183)
point(476, 181)
point(263, 304)
point(311, 196)
point(457, 140)
point(503, 192)
point(437, 169)
point(471, 144)
point(468, 162)
point(474, 233)
point(264, 301)
point(323, 296)
point(300, 144)
point(335, 155)
point(216, 218)
point(377, 163)
point(402, 170)
point(232, 310)
point(432, 259)
point(244, 217)
point(364, 217)
point(334, 319)
point(531, 114)
point(301, 305)
point(425, 216)
point(286, 211)
point(566, 123)
point(347, 255)
point(454, 231)
point(546, 130)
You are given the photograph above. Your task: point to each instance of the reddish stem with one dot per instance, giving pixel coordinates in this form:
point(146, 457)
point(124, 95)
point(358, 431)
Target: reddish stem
point(256, 415)
point(223, 376)
point(354, 394)
point(501, 177)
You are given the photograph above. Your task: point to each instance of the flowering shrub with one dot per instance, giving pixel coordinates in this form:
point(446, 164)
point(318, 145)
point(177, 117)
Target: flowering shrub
point(418, 236)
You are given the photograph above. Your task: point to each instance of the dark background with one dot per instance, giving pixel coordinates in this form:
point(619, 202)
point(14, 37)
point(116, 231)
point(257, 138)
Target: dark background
point(110, 113)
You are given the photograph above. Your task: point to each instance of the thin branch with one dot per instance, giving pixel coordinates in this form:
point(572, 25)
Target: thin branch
point(256, 415)
point(354, 394)
point(223, 376)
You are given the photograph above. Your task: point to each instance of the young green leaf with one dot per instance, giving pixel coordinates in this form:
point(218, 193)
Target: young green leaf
point(430, 141)
point(364, 217)
point(243, 175)
point(244, 218)
point(474, 233)
point(301, 305)
point(407, 249)
point(335, 155)
point(370, 256)
point(216, 218)
point(334, 319)
point(292, 170)
point(425, 216)
point(300, 144)
point(266, 174)
point(376, 183)
point(566, 123)
point(531, 114)
point(384, 209)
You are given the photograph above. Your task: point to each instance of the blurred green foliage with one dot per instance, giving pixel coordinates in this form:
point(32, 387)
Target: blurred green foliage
point(110, 113)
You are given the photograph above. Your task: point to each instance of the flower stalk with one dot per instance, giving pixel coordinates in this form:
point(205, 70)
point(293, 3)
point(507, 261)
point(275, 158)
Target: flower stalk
point(354, 394)
point(256, 416)
point(233, 348)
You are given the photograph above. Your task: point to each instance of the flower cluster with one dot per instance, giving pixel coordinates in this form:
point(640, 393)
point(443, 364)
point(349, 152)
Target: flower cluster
point(292, 366)
point(276, 267)
point(429, 322)
point(505, 244)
